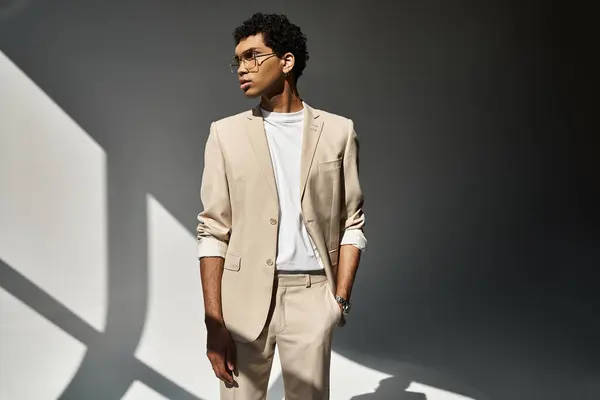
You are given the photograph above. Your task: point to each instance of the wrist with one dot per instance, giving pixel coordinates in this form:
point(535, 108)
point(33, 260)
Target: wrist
point(343, 294)
point(344, 304)
point(213, 322)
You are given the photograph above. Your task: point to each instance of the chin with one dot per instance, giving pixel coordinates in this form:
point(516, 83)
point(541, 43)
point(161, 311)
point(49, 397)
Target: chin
point(251, 94)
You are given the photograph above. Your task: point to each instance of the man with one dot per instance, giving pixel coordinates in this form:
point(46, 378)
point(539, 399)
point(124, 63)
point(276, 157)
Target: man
point(281, 234)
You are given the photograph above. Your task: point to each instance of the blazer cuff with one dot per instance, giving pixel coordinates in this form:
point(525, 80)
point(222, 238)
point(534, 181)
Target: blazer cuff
point(211, 247)
point(355, 237)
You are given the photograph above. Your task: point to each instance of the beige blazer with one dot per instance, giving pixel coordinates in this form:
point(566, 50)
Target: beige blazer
point(241, 207)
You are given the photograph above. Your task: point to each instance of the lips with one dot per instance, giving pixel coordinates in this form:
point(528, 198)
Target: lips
point(245, 84)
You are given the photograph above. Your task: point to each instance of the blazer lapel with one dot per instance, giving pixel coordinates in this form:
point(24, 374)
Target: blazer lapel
point(312, 132)
point(258, 138)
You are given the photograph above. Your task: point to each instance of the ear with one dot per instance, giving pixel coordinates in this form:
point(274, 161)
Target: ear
point(288, 62)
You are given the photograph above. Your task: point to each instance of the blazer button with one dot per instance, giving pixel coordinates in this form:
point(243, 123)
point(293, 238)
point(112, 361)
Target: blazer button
point(273, 221)
point(269, 262)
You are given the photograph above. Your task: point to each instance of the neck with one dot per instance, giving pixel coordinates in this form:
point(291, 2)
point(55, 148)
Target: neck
point(287, 100)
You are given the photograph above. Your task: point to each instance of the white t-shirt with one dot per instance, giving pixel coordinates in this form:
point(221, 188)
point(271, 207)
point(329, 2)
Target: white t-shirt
point(284, 135)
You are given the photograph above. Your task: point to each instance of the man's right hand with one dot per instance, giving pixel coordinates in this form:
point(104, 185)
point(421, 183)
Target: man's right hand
point(221, 352)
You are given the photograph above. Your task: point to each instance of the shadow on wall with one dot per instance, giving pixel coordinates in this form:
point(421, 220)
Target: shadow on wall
point(109, 364)
point(148, 279)
point(482, 249)
point(393, 388)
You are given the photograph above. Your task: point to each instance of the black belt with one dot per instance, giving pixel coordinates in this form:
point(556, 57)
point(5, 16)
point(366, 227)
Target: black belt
point(296, 272)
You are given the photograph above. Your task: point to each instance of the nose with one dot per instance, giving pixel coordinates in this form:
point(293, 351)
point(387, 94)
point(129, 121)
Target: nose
point(242, 70)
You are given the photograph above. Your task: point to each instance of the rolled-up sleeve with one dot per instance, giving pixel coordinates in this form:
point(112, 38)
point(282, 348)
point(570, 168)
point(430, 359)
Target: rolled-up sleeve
point(352, 215)
point(214, 222)
point(355, 237)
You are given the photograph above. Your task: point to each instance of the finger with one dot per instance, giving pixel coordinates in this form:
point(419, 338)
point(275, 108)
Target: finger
point(231, 357)
point(225, 376)
point(216, 363)
point(221, 372)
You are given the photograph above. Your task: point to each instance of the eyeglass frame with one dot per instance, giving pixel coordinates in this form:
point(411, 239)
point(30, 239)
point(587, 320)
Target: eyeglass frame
point(236, 62)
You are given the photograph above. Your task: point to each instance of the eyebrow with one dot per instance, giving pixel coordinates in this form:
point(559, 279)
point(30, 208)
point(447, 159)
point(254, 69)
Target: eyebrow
point(251, 49)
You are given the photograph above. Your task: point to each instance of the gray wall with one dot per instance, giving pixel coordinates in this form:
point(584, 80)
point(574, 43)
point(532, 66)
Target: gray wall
point(479, 165)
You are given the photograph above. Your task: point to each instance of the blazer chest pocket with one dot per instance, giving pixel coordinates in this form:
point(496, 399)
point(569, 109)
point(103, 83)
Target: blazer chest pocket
point(330, 165)
point(232, 262)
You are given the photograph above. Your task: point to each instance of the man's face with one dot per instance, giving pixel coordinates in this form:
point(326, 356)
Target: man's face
point(260, 71)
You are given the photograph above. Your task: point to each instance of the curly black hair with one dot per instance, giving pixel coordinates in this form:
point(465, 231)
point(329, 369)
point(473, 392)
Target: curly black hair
point(279, 34)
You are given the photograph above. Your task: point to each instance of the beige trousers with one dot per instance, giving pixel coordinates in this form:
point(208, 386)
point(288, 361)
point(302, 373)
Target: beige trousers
point(301, 322)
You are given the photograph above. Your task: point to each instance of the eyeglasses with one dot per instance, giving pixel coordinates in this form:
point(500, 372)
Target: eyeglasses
point(250, 60)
